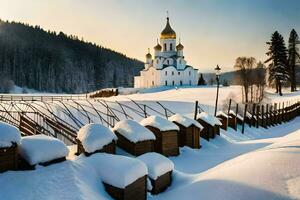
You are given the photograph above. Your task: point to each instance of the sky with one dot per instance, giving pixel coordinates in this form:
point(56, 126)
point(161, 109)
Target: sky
point(212, 31)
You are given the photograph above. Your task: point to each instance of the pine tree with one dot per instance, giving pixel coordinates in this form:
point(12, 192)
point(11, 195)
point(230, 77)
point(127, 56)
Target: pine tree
point(293, 55)
point(201, 80)
point(278, 67)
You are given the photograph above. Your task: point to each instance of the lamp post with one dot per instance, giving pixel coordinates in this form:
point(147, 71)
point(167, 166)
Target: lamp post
point(218, 72)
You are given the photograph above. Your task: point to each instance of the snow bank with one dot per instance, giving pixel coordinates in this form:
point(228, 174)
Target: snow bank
point(116, 170)
point(159, 123)
point(94, 136)
point(221, 113)
point(157, 164)
point(9, 135)
point(41, 148)
point(133, 131)
point(209, 119)
point(185, 121)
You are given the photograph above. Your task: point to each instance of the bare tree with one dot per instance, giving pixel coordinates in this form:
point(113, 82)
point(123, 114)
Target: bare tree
point(245, 66)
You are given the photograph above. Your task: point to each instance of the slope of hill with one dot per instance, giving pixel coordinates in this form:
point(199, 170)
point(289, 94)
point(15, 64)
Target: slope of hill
point(55, 62)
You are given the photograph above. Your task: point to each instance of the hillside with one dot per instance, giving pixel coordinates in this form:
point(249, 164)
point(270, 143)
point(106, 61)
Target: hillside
point(55, 62)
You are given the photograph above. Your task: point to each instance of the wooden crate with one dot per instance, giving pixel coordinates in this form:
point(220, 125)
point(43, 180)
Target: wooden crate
point(216, 130)
point(137, 148)
point(24, 165)
point(232, 121)
point(224, 121)
point(9, 158)
point(166, 142)
point(109, 148)
point(188, 136)
point(135, 191)
point(207, 131)
point(161, 183)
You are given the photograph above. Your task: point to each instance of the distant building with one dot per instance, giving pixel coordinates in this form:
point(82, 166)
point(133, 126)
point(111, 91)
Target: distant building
point(168, 66)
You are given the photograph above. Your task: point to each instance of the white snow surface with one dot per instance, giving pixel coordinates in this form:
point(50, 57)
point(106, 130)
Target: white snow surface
point(157, 164)
point(159, 123)
point(95, 136)
point(8, 135)
point(116, 170)
point(41, 148)
point(259, 164)
point(210, 119)
point(185, 121)
point(133, 131)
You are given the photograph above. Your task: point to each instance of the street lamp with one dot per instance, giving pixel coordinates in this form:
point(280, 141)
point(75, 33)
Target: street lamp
point(218, 73)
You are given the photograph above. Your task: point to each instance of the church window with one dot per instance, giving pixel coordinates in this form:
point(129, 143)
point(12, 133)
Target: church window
point(171, 47)
point(173, 83)
point(180, 82)
point(178, 73)
point(166, 83)
point(172, 73)
point(152, 83)
point(166, 73)
point(168, 62)
point(165, 47)
point(189, 73)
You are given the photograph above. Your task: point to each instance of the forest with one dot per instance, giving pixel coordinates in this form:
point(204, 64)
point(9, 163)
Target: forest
point(55, 62)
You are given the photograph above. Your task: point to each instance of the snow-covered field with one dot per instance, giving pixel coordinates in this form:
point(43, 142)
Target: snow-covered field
point(260, 164)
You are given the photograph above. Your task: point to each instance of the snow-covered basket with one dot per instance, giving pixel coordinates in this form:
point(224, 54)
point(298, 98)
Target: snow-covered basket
point(123, 177)
point(189, 133)
point(223, 117)
point(10, 138)
point(166, 134)
point(211, 125)
point(160, 171)
point(134, 138)
point(93, 138)
point(43, 150)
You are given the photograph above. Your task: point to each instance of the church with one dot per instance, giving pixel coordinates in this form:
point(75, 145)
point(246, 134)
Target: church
point(168, 66)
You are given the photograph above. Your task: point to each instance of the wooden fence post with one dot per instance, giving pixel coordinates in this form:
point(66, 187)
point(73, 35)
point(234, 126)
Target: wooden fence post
point(229, 107)
point(196, 110)
point(253, 114)
point(244, 117)
point(263, 122)
point(257, 115)
point(267, 115)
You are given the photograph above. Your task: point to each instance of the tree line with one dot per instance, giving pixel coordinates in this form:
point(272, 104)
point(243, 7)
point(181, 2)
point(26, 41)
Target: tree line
point(55, 62)
point(280, 70)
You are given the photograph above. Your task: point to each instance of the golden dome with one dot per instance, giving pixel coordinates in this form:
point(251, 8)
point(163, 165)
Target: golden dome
point(158, 47)
point(168, 32)
point(179, 47)
point(148, 55)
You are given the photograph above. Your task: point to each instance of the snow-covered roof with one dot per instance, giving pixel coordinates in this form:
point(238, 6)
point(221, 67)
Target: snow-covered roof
point(185, 121)
point(157, 164)
point(9, 135)
point(210, 119)
point(41, 148)
point(240, 117)
point(116, 170)
point(221, 113)
point(94, 136)
point(232, 112)
point(159, 123)
point(133, 131)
